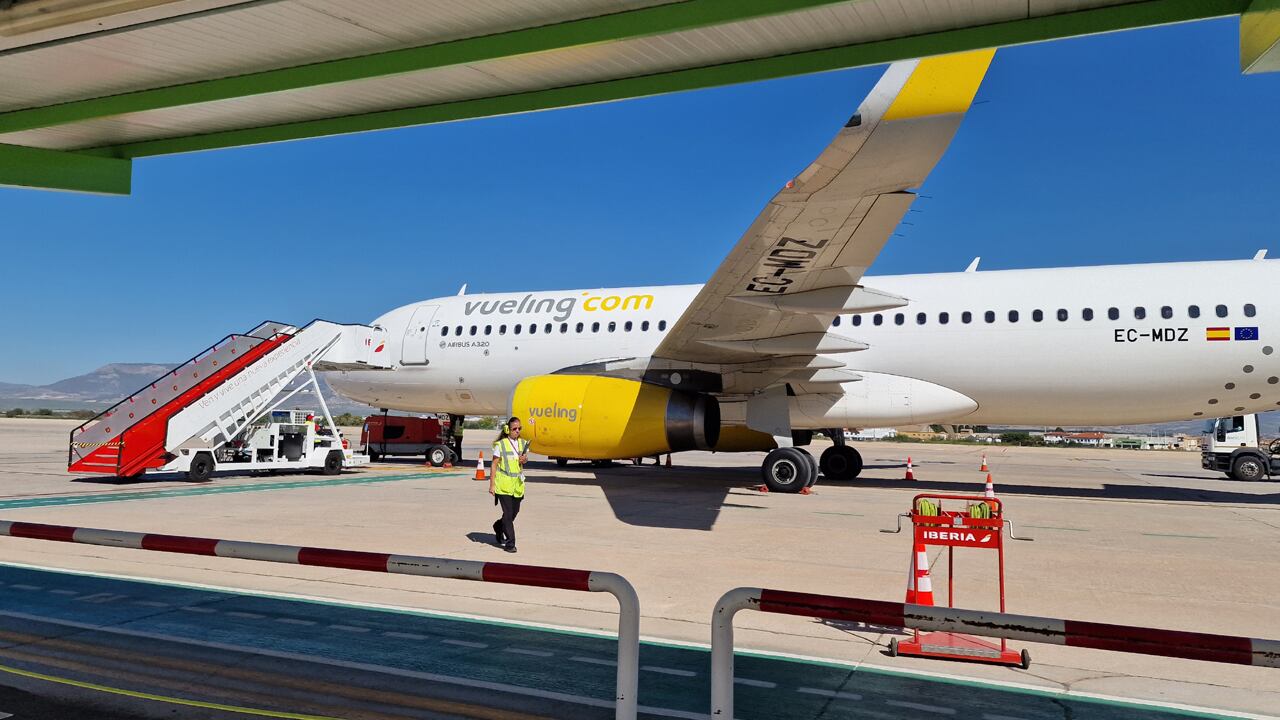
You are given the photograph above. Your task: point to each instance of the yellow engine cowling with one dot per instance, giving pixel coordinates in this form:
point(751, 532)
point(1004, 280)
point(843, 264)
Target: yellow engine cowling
point(736, 438)
point(589, 417)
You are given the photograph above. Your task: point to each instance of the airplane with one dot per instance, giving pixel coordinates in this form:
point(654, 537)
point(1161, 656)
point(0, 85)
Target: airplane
point(785, 340)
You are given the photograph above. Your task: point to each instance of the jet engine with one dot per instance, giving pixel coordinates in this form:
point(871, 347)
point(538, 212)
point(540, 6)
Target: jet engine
point(589, 417)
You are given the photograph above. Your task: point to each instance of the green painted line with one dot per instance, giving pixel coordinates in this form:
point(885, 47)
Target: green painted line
point(1176, 535)
point(57, 170)
point(206, 490)
point(1051, 527)
point(1014, 32)
point(626, 25)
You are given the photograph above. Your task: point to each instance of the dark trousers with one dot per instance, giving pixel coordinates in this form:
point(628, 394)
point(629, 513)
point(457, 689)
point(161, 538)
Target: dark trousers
point(505, 528)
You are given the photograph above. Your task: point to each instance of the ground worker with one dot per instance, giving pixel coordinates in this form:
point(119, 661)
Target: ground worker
point(506, 482)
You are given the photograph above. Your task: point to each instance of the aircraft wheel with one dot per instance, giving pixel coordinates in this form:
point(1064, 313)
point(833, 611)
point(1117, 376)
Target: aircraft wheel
point(1247, 468)
point(813, 467)
point(841, 462)
point(786, 470)
point(561, 462)
point(437, 454)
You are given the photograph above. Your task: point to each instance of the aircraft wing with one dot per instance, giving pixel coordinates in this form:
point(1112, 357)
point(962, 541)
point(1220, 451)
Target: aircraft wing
point(773, 299)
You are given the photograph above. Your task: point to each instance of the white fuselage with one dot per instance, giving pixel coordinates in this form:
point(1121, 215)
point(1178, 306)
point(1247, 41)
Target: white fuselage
point(1077, 371)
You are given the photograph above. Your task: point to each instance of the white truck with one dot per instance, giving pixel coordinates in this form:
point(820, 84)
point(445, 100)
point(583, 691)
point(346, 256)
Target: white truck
point(1233, 447)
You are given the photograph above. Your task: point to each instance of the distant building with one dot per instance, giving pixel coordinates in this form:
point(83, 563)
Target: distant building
point(871, 434)
point(1093, 439)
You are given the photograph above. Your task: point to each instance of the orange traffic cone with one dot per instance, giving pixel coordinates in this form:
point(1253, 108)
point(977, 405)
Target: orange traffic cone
point(984, 463)
point(924, 584)
point(910, 475)
point(480, 474)
point(911, 577)
point(990, 491)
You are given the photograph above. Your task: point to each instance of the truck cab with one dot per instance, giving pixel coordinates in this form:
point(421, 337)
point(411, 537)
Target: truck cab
point(1233, 447)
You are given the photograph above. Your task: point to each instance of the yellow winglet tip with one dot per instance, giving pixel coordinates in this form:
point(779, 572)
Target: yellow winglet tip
point(941, 85)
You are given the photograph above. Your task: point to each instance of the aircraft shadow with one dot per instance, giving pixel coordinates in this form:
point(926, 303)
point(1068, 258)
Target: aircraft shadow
point(1107, 491)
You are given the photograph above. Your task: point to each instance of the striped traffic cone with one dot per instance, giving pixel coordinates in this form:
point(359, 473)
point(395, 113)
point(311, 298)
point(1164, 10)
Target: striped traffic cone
point(924, 584)
point(984, 463)
point(480, 474)
point(911, 577)
point(990, 491)
point(910, 475)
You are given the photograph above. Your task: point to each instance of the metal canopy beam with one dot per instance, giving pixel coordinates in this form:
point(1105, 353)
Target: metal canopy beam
point(1085, 22)
point(1260, 37)
point(606, 28)
point(56, 170)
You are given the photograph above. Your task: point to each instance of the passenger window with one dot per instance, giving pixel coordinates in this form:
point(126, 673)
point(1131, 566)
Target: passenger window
point(989, 316)
point(458, 331)
point(943, 318)
point(578, 328)
point(1087, 313)
point(856, 320)
point(1013, 316)
point(444, 330)
point(1166, 312)
point(595, 327)
point(662, 324)
point(1037, 315)
point(502, 329)
point(627, 327)
point(547, 328)
point(488, 329)
point(1113, 313)
point(644, 325)
point(564, 328)
point(515, 329)
point(1221, 310)
point(899, 318)
point(473, 330)
point(613, 326)
point(1139, 313)
point(1250, 310)
point(920, 318)
point(877, 319)
point(1193, 311)
point(836, 322)
point(1063, 314)
point(966, 317)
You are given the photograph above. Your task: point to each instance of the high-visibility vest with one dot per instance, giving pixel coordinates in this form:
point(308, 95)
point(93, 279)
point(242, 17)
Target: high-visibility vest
point(508, 479)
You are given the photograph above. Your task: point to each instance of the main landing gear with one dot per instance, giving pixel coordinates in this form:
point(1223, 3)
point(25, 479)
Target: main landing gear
point(789, 469)
point(840, 461)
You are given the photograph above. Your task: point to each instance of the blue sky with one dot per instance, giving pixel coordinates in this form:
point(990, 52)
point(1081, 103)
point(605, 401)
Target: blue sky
point(1135, 147)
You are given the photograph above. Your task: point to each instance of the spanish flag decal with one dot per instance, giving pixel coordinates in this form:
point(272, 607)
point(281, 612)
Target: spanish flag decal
point(1218, 333)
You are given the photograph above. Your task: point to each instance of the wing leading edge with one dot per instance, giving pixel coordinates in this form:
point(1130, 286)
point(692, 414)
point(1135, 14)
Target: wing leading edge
point(772, 300)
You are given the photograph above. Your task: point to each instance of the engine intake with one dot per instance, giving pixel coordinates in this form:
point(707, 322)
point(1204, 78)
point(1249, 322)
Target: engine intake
point(590, 417)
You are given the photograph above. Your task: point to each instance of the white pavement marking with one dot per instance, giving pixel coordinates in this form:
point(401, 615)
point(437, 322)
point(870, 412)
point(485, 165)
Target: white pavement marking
point(249, 615)
point(465, 643)
point(195, 609)
point(147, 603)
point(349, 628)
point(938, 709)
point(27, 587)
point(295, 621)
point(668, 671)
point(405, 635)
point(989, 716)
point(755, 683)
point(4, 715)
point(525, 651)
point(829, 693)
point(99, 598)
point(593, 661)
point(64, 592)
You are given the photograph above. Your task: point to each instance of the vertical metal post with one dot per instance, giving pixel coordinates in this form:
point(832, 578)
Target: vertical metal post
point(323, 405)
point(628, 682)
point(722, 648)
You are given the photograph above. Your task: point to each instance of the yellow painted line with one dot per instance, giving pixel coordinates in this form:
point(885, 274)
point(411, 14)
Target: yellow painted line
point(941, 85)
point(161, 698)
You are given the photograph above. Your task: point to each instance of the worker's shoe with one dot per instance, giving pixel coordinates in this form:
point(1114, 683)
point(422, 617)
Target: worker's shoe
point(509, 548)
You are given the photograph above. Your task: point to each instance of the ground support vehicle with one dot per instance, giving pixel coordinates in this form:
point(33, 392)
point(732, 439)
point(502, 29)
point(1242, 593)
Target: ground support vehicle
point(1233, 447)
point(385, 435)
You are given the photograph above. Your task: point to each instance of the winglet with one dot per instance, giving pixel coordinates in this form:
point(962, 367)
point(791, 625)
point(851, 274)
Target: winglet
point(973, 266)
point(940, 85)
point(462, 290)
point(1261, 254)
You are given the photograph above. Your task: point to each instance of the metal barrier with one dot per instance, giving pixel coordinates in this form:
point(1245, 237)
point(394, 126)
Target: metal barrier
point(532, 575)
point(1073, 633)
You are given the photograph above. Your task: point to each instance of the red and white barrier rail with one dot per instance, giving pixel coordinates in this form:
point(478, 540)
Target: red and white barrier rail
point(1073, 633)
point(532, 575)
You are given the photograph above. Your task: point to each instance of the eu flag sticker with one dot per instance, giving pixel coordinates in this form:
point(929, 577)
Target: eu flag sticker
point(1246, 333)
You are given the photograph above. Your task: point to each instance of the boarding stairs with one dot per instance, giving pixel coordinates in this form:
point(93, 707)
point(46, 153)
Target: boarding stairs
point(215, 395)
